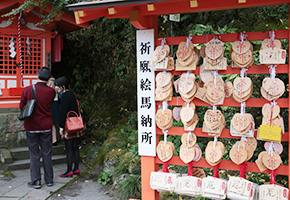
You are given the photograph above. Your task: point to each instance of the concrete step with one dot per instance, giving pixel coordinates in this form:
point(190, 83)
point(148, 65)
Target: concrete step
point(21, 153)
point(25, 163)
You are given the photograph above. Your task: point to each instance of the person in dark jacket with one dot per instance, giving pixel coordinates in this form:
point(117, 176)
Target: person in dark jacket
point(68, 102)
point(38, 129)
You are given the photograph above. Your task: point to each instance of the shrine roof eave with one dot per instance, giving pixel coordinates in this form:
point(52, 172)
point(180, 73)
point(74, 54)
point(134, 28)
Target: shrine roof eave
point(87, 11)
point(66, 22)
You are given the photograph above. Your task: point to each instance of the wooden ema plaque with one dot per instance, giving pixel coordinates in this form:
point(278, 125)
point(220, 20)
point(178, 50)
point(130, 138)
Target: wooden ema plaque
point(214, 56)
point(160, 59)
point(214, 155)
point(187, 57)
point(228, 102)
point(189, 150)
point(164, 86)
point(242, 54)
point(165, 152)
point(271, 52)
point(267, 160)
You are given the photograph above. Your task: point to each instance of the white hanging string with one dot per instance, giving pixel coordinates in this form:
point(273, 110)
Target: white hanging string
point(164, 106)
point(244, 140)
point(188, 136)
point(28, 44)
point(163, 42)
point(271, 149)
point(272, 35)
point(243, 71)
point(188, 40)
point(282, 124)
point(214, 108)
point(215, 74)
point(272, 69)
point(242, 38)
point(165, 136)
point(214, 142)
point(187, 74)
point(243, 108)
point(273, 103)
point(187, 105)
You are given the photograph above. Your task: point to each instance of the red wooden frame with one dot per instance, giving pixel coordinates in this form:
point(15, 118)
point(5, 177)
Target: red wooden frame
point(140, 16)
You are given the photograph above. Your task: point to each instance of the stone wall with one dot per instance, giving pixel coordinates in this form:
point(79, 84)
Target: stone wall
point(12, 133)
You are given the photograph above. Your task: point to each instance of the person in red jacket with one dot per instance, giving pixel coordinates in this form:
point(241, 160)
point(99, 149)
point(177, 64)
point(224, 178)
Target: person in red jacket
point(38, 129)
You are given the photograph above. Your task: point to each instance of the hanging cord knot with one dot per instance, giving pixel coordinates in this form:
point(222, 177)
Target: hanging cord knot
point(188, 40)
point(243, 108)
point(165, 136)
point(163, 42)
point(272, 70)
point(164, 106)
point(243, 72)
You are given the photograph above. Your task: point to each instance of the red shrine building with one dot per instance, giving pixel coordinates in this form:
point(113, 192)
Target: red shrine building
point(25, 48)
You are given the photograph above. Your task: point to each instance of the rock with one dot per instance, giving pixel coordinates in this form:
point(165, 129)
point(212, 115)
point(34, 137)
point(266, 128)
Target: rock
point(5, 156)
point(135, 166)
point(12, 133)
point(111, 160)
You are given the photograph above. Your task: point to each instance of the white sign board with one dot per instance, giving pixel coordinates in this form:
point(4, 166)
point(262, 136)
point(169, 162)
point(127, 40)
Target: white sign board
point(146, 94)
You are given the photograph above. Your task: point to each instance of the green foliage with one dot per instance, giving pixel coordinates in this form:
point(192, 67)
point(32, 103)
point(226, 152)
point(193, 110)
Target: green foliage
point(100, 64)
point(8, 174)
point(104, 178)
point(54, 14)
point(131, 187)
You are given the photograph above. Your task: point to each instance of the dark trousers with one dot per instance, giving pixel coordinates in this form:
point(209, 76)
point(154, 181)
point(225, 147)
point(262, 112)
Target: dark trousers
point(40, 144)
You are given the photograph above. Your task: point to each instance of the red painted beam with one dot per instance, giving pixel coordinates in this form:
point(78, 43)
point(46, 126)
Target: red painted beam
point(198, 132)
point(251, 102)
point(89, 14)
point(225, 164)
point(182, 6)
point(228, 37)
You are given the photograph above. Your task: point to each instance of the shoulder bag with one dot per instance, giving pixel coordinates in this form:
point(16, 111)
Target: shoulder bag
point(74, 122)
point(27, 111)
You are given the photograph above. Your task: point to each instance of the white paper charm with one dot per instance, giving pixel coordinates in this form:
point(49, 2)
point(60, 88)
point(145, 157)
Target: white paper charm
point(189, 185)
point(162, 181)
point(12, 48)
point(241, 189)
point(214, 188)
point(273, 192)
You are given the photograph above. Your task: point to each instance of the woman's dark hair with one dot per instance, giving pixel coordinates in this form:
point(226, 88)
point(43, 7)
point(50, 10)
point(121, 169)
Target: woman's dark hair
point(61, 82)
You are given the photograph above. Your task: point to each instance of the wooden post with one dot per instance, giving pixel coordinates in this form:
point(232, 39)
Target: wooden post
point(148, 165)
point(289, 112)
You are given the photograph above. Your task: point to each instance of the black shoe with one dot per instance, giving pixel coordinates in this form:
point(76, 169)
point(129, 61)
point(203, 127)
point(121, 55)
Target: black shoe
point(49, 184)
point(35, 184)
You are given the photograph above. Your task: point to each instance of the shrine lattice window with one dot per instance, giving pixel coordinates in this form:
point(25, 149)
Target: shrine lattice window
point(31, 62)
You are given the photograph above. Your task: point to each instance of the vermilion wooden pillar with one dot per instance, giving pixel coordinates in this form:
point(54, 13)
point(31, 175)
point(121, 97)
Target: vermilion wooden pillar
point(289, 108)
point(148, 164)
